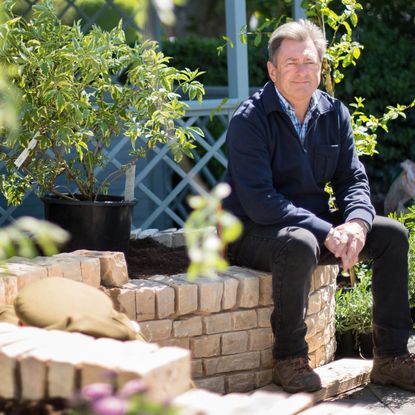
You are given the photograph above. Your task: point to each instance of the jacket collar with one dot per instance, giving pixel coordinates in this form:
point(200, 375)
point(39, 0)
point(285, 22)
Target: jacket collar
point(271, 102)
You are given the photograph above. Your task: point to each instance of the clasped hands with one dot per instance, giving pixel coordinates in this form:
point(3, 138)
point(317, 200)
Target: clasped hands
point(346, 241)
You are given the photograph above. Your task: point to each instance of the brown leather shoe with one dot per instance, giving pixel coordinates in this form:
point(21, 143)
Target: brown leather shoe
point(398, 371)
point(295, 375)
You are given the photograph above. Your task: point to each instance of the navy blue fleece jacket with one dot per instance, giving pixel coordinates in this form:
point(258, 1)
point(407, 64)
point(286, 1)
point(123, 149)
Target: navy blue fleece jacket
point(276, 180)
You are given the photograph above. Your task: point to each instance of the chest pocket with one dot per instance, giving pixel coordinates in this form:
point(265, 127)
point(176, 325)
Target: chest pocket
point(325, 159)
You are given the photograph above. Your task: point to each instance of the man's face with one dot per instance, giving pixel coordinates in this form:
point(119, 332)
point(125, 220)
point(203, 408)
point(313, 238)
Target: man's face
point(296, 72)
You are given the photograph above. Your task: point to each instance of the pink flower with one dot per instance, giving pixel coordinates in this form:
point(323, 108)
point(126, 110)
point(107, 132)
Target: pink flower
point(109, 405)
point(133, 387)
point(96, 391)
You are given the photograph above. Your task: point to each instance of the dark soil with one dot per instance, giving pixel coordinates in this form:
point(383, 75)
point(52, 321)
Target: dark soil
point(44, 407)
point(147, 257)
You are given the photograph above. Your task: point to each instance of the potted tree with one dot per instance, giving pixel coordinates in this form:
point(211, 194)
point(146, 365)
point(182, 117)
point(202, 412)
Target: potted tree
point(354, 317)
point(74, 108)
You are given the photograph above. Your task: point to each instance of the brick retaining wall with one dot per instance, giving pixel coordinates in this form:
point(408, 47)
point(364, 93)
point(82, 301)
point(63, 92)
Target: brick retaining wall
point(223, 322)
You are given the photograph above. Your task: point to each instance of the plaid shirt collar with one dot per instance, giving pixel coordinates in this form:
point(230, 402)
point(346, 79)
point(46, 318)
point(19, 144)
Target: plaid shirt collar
point(288, 108)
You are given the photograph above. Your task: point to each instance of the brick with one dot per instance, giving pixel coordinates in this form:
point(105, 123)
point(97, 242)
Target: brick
point(10, 288)
point(104, 358)
point(321, 338)
point(324, 275)
point(164, 238)
point(342, 375)
point(164, 298)
point(230, 291)
point(188, 327)
point(243, 320)
point(312, 359)
point(240, 382)
point(114, 271)
point(145, 299)
point(326, 295)
point(147, 233)
point(210, 292)
point(314, 302)
point(178, 238)
point(2, 291)
point(100, 360)
point(164, 301)
point(166, 372)
point(53, 267)
point(214, 384)
point(248, 288)
point(217, 323)
point(263, 378)
point(260, 339)
point(62, 367)
point(234, 342)
point(231, 363)
point(24, 273)
point(123, 300)
point(320, 354)
point(265, 289)
point(183, 342)
point(49, 368)
point(89, 267)
point(267, 359)
point(205, 346)
point(197, 368)
point(43, 262)
point(156, 330)
point(70, 265)
point(331, 349)
point(14, 343)
point(311, 323)
point(315, 341)
point(91, 271)
point(186, 293)
point(264, 316)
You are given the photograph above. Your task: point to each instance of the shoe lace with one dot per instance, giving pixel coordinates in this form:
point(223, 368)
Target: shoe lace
point(408, 360)
point(300, 365)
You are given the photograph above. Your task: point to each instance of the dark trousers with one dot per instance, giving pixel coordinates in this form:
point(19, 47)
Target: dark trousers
point(292, 254)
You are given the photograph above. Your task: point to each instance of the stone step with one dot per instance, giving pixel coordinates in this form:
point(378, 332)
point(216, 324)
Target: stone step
point(337, 377)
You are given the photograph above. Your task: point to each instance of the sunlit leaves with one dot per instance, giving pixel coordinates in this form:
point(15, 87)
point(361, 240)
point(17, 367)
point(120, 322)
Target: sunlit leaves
point(365, 126)
point(72, 95)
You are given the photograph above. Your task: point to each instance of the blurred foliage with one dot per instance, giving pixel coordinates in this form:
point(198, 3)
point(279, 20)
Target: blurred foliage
point(205, 246)
point(27, 236)
point(100, 12)
point(202, 53)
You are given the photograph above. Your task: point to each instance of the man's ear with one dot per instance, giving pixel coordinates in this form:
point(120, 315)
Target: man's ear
point(271, 71)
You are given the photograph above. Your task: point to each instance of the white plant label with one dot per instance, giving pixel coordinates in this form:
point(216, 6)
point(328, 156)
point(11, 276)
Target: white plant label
point(25, 153)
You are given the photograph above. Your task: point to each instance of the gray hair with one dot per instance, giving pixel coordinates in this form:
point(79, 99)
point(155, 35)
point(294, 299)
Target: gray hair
point(301, 30)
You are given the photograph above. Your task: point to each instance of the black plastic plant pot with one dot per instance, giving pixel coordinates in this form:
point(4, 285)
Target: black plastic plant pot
point(365, 345)
point(102, 225)
point(346, 345)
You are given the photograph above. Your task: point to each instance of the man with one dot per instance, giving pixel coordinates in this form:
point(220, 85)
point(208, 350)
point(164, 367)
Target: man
point(285, 143)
